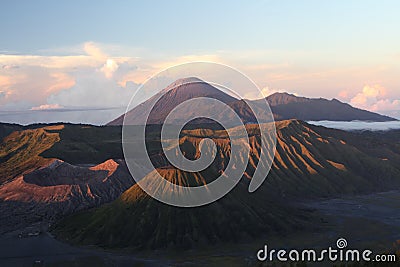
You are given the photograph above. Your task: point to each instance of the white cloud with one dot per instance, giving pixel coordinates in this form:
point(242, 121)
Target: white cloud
point(28, 81)
point(50, 62)
point(374, 98)
point(94, 51)
point(93, 89)
point(109, 68)
point(32, 84)
point(374, 91)
point(265, 91)
point(5, 81)
point(9, 67)
point(47, 107)
point(110, 65)
point(386, 105)
point(343, 95)
point(103, 75)
point(358, 125)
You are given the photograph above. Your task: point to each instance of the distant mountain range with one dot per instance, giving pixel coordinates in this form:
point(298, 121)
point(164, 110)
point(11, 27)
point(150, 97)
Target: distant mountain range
point(283, 105)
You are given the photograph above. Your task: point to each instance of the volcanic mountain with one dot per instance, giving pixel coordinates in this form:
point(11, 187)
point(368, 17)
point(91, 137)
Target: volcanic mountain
point(180, 91)
point(287, 106)
point(51, 171)
point(38, 186)
point(58, 189)
point(308, 164)
point(283, 105)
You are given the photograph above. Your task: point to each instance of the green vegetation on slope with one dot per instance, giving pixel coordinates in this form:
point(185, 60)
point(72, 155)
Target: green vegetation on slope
point(25, 148)
point(19, 152)
point(138, 221)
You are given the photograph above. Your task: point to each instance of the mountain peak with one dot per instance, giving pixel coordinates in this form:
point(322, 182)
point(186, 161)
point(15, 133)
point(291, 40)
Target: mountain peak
point(170, 97)
point(288, 106)
point(283, 105)
point(284, 98)
point(281, 94)
point(183, 81)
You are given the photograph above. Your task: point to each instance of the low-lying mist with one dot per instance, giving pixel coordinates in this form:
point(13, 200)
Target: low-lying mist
point(358, 125)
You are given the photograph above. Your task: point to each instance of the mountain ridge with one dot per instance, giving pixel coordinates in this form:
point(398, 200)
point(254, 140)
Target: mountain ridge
point(283, 106)
point(307, 165)
point(288, 106)
point(310, 162)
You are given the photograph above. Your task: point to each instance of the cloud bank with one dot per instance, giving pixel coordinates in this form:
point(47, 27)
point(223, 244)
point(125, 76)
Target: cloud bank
point(358, 125)
point(91, 79)
point(100, 75)
point(373, 98)
point(47, 107)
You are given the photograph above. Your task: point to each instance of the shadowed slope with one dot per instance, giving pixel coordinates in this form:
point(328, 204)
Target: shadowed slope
point(160, 105)
point(306, 165)
point(315, 164)
point(63, 182)
point(35, 146)
point(37, 186)
point(58, 189)
point(168, 99)
point(19, 151)
point(137, 220)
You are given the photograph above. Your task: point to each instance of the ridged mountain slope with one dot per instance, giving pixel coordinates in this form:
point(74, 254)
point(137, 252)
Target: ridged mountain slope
point(307, 165)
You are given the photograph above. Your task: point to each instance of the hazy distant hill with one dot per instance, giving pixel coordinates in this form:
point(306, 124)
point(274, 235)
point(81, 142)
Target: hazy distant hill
point(283, 105)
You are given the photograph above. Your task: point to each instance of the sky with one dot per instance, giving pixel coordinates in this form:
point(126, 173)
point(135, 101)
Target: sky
point(81, 61)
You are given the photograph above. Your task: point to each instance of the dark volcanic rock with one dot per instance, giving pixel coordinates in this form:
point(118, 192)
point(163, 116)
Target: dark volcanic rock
point(60, 189)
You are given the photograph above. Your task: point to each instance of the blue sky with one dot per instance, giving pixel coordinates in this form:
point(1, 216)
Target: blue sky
point(192, 26)
point(331, 49)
